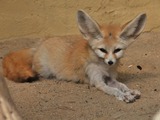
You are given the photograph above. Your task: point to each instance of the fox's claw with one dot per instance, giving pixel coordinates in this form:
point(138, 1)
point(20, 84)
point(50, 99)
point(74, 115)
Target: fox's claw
point(136, 94)
point(129, 96)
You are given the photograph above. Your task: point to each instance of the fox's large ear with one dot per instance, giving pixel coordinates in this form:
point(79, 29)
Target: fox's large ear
point(87, 26)
point(133, 28)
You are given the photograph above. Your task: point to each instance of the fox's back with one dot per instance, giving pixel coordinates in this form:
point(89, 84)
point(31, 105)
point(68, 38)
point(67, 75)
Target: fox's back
point(62, 48)
point(64, 57)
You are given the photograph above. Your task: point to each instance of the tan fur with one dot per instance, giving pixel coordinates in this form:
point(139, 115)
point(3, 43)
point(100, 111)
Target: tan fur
point(74, 53)
point(17, 66)
point(68, 66)
point(111, 33)
point(91, 59)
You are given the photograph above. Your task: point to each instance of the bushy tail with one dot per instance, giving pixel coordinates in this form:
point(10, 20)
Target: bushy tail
point(17, 66)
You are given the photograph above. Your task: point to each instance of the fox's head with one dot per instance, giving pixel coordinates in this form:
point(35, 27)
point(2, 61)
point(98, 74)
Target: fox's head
point(109, 42)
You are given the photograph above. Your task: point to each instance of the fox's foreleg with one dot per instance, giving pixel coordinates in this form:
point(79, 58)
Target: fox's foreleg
point(102, 80)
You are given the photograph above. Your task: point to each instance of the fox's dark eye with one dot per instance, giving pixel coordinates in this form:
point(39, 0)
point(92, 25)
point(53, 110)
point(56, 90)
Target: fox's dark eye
point(117, 50)
point(103, 50)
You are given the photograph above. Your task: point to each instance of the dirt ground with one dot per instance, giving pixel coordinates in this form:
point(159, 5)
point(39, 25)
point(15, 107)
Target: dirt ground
point(52, 100)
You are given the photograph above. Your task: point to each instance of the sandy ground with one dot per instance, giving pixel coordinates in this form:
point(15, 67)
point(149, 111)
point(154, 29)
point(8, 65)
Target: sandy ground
point(53, 100)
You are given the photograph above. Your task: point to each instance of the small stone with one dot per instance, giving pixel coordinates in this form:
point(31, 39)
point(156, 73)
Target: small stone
point(139, 67)
point(155, 90)
point(130, 66)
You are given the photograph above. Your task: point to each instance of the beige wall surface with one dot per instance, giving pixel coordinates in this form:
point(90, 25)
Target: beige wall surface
point(38, 18)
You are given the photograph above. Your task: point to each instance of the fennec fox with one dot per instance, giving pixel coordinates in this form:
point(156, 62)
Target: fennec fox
point(92, 59)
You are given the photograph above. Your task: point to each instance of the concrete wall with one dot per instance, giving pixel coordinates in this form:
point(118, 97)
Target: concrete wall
point(34, 18)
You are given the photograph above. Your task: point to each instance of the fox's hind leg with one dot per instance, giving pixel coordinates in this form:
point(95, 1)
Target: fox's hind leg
point(41, 64)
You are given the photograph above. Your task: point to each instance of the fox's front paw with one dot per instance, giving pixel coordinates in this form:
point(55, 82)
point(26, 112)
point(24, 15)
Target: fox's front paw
point(129, 96)
point(136, 93)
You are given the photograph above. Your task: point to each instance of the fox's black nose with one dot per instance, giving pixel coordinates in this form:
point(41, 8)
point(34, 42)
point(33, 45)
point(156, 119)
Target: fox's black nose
point(110, 62)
